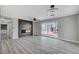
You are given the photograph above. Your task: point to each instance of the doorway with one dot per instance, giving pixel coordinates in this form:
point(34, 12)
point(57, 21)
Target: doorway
point(6, 28)
point(50, 29)
point(3, 31)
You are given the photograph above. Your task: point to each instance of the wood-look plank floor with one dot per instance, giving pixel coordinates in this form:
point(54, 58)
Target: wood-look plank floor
point(37, 45)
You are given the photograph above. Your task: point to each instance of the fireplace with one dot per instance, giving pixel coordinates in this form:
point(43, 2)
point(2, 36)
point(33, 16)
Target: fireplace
point(23, 31)
point(25, 28)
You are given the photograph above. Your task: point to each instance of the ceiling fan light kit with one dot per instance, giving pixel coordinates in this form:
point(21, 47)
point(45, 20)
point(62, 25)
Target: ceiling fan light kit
point(52, 11)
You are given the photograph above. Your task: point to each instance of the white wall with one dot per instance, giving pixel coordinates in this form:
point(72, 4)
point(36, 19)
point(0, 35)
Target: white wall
point(0, 10)
point(10, 29)
point(78, 27)
point(0, 32)
point(67, 27)
point(36, 28)
point(15, 28)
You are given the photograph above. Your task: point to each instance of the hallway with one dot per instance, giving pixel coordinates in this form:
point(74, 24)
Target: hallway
point(37, 45)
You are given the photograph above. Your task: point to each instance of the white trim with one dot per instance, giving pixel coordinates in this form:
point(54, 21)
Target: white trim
point(72, 41)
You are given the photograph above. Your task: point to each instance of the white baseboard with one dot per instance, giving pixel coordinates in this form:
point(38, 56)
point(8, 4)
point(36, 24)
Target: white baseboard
point(72, 41)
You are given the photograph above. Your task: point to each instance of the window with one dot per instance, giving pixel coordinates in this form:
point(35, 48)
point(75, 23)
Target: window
point(50, 29)
point(3, 26)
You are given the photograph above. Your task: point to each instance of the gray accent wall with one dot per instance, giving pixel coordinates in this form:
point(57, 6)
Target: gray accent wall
point(25, 25)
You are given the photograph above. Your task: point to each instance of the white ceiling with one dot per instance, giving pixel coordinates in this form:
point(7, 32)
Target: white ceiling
point(38, 11)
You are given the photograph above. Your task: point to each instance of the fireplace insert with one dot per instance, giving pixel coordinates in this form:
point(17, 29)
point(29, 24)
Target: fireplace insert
point(23, 31)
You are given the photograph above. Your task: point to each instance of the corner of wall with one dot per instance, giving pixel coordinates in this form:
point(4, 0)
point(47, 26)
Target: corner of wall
point(15, 28)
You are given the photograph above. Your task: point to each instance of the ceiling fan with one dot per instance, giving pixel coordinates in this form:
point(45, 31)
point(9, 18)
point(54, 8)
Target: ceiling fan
point(52, 10)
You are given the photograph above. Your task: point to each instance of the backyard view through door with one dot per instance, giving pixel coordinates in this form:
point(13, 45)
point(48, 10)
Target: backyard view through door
point(50, 29)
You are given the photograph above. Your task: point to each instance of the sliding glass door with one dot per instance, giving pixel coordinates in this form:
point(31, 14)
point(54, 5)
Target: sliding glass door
point(50, 29)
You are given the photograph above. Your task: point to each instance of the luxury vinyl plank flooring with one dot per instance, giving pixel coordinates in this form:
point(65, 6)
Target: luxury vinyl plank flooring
point(37, 45)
